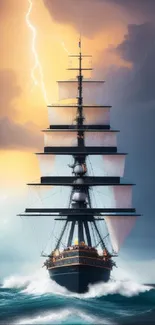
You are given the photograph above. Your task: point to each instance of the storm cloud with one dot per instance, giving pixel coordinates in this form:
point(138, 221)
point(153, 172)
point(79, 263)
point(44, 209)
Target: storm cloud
point(14, 135)
point(90, 16)
point(145, 8)
point(138, 48)
point(9, 90)
point(87, 16)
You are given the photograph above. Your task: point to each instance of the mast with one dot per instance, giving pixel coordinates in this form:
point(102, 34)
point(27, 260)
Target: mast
point(80, 117)
point(116, 209)
point(80, 193)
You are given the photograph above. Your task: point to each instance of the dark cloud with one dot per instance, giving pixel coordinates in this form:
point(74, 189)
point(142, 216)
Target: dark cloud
point(14, 135)
point(90, 16)
point(87, 16)
point(138, 48)
point(138, 43)
point(141, 7)
point(17, 136)
point(9, 90)
point(3, 6)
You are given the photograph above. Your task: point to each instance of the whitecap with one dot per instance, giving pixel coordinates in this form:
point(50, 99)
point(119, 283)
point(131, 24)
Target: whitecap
point(52, 317)
point(40, 284)
point(60, 315)
point(125, 288)
point(16, 281)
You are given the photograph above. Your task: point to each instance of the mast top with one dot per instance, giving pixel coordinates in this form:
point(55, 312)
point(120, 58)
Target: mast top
point(80, 44)
point(80, 52)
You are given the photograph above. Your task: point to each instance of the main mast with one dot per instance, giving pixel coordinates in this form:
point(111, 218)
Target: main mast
point(80, 197)
point(79, 194)
point(80, 117)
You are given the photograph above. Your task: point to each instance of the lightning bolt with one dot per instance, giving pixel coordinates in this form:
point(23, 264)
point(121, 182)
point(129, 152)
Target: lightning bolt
point(37, 65)
point(64, 47)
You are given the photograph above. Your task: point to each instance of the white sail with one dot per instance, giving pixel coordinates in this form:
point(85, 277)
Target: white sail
point(66, 115)
point(119, 228)
point(106, 165)
point(51, 165)
point(96, 115)
point(113, 196)
point(107, 139)
point(46, 164)
point(92, 91)
point(69, 138)
point(61, 115)
point(98, 165)
point(48, 196)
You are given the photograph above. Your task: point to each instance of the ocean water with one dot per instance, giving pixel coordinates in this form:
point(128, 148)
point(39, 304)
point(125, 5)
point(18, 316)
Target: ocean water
point(38, 300)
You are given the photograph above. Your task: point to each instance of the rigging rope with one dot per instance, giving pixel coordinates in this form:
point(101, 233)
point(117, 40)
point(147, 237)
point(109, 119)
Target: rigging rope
point(65, 234)
point(91, 166)
point(50, 236)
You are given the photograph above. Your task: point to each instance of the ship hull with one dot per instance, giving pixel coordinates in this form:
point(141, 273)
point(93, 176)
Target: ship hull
point(77, 278)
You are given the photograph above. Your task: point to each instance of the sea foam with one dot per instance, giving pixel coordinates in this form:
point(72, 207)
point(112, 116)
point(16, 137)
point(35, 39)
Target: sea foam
point(41, 284)
point(71, 315)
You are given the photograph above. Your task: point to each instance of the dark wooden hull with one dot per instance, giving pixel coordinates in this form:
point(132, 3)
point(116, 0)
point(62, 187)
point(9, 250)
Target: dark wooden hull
point(76, 278)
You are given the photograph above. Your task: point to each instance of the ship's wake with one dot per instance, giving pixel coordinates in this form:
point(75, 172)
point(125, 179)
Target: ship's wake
point(41, 284)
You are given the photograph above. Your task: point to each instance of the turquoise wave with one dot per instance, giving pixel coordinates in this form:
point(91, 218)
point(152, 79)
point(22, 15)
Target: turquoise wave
point(36, 300)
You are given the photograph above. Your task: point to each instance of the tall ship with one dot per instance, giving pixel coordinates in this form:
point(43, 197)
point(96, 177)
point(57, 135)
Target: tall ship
point(82, 142)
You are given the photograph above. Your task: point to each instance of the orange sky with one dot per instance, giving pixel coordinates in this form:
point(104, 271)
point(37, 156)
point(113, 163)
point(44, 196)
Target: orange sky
point(21, 166)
